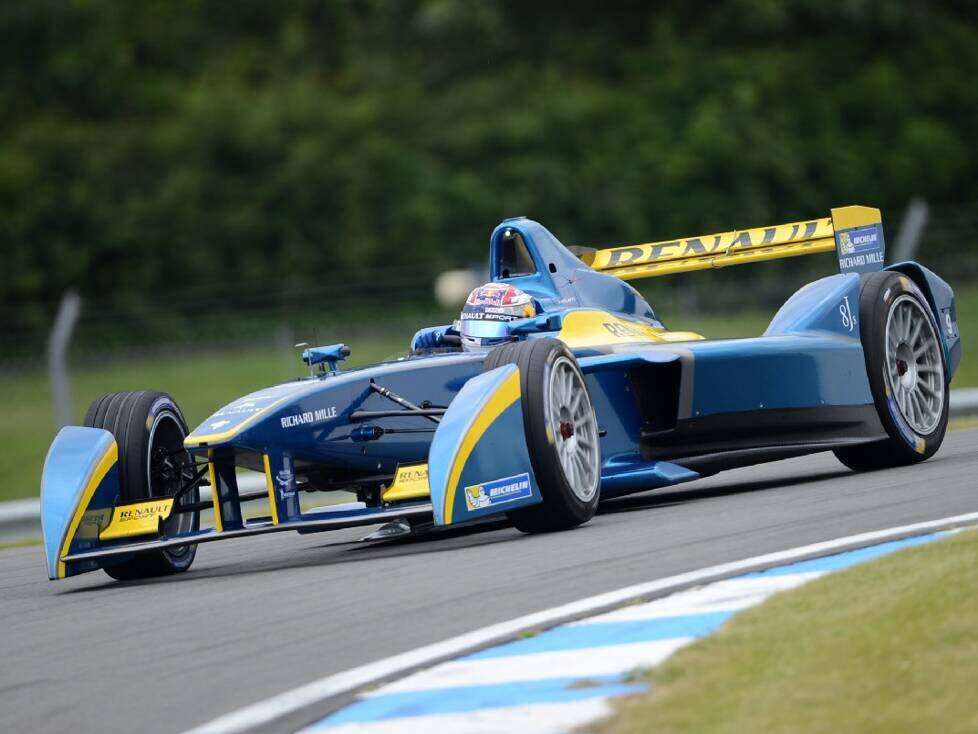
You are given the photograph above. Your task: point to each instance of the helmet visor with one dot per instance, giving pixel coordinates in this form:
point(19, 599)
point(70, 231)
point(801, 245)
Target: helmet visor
point(484, 329)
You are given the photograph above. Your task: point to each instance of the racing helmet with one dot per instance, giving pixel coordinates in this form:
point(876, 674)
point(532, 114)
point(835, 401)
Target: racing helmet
point(488, 309)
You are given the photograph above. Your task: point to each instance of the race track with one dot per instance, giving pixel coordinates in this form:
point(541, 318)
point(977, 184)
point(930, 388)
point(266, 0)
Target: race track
point(255, 617)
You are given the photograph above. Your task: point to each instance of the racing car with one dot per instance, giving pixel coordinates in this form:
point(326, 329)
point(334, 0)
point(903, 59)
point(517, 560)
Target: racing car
point(557, 387)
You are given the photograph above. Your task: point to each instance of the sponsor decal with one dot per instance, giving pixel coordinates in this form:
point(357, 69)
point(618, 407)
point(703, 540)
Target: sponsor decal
point(285, 478)
point(308, 417)
point(498, 491)
point(137, 519)
point(497, 302)
point(410, 482)
point(239, 412)
point(950, 325)
point(861, 249)
point(624, 330)
point(142, 512)
point(714, 244)
point(487, 316)
point(496, 294)
point(845, 310)
point(246, 407)
point(859, 241)
point(92, 523)
point(408, 474)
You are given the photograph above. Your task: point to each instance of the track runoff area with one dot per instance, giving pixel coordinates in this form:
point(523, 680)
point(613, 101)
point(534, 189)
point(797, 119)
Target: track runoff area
point(566, 676)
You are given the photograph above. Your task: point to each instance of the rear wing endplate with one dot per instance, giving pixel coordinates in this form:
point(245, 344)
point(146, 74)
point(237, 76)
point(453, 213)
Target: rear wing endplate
point(855, 232)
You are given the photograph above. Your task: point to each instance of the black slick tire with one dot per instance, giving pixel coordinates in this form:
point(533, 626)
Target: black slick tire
point(147, 425)
point(562, 508)
point(881, 294)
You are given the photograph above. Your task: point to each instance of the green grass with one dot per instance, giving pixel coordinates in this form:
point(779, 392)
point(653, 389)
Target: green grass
point(200, 383)
point(889, 646)
point(7, 544)
point(204, 382)
point(962, 424)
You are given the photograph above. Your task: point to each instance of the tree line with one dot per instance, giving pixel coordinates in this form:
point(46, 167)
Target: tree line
point(158, 148)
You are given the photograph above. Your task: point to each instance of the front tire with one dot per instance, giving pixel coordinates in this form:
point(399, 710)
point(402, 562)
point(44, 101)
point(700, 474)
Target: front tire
point(149, 429)
point(561, 434)
point(907, 374)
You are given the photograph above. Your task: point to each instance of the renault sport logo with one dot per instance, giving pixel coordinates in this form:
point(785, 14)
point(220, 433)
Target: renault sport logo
point(498, 491)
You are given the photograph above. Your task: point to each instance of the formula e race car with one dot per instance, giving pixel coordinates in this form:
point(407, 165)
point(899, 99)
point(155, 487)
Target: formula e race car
point(579, 394)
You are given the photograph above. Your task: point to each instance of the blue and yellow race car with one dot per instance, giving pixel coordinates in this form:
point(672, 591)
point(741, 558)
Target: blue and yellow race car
point(557, 387)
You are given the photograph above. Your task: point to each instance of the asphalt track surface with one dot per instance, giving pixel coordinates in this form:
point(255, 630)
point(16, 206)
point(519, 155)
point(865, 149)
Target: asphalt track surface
point(255, 617)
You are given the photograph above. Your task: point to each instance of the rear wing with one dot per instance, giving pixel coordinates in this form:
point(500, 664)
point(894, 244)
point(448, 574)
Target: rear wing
point(855, 232)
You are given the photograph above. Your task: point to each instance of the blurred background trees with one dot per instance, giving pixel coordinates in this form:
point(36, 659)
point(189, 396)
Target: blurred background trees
point(203, 155)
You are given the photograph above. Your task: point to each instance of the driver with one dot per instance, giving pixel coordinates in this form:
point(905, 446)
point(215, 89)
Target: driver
point(482, 323)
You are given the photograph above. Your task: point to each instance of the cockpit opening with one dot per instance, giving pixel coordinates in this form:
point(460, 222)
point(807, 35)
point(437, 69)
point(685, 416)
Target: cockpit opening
point(514, 256)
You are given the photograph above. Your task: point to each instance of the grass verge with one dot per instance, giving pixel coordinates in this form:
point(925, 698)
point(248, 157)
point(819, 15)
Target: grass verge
point(4, 545)
point(201, 384)
point(962, 424)
point(889, 646)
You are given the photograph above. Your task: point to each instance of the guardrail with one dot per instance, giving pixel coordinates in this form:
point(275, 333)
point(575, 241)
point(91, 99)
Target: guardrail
point(964, 403)
point(21, 519)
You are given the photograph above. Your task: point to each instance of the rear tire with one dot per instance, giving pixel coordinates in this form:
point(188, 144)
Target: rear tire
point(149, 429)
point(907, 374)
point(561, 434)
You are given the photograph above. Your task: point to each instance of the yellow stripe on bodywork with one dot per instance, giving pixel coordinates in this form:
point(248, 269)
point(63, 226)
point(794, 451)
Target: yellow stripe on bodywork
point(590, 328)
point(270, 486)
point(107, 461)
point(215, 493)
point(193, 441)
point(506, 394)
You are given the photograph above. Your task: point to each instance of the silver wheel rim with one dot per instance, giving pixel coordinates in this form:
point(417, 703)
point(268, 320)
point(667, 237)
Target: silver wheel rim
point(574, 428)
point(914, 370)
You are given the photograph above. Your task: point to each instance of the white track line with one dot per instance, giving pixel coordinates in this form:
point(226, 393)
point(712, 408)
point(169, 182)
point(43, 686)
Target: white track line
point(534, 718)
point(586, 663)
point(730, 595)
point(353, 679)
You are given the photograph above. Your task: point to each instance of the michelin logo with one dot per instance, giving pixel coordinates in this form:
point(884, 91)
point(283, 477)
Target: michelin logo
point(861, 249)
point(498, 491)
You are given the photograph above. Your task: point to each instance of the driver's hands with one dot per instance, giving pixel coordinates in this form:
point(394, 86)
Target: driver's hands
point(429, 337)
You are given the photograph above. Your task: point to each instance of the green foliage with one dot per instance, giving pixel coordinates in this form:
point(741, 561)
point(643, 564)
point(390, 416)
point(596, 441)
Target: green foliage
point(154, 149)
